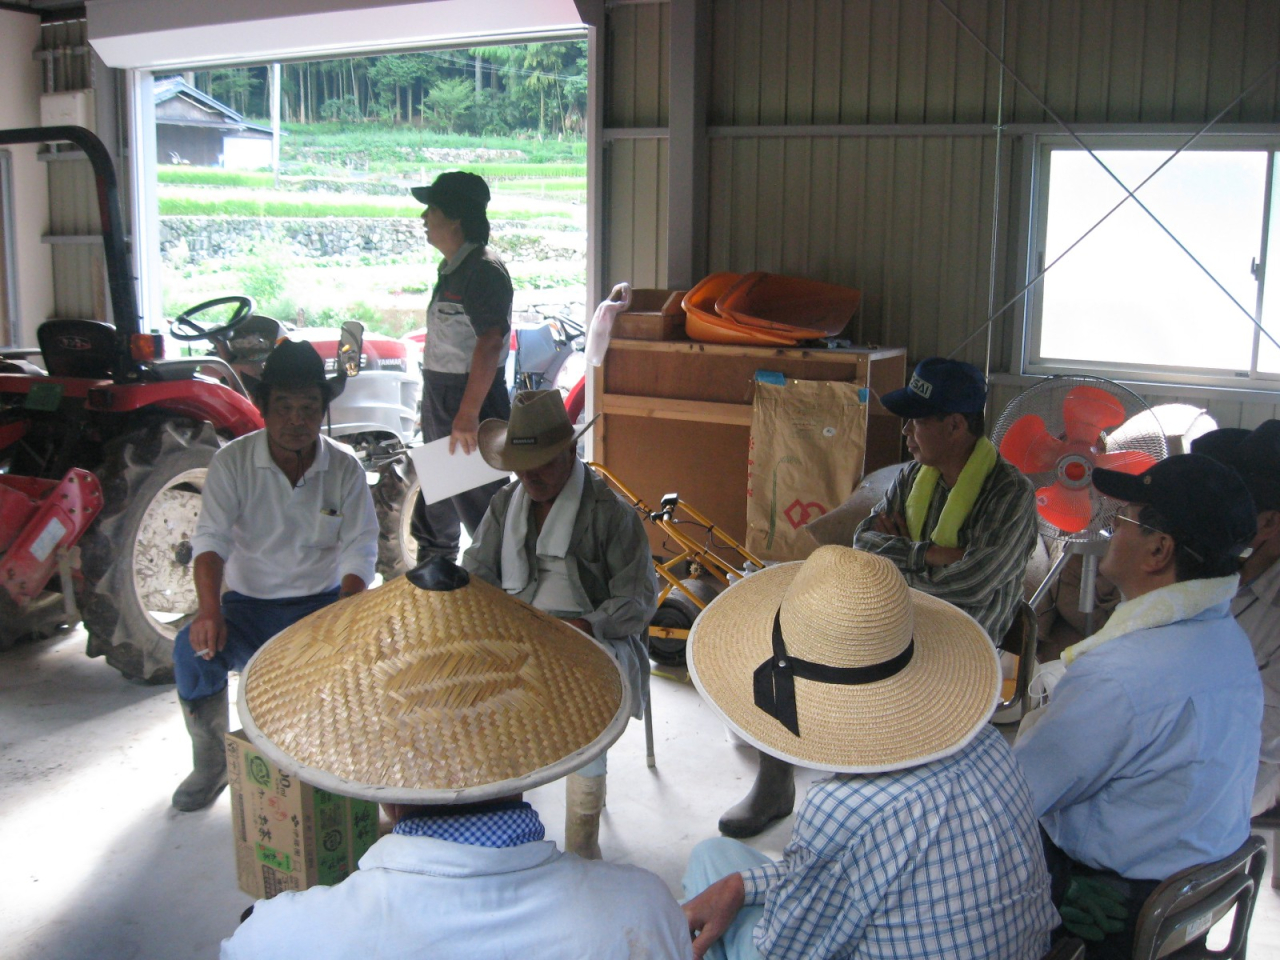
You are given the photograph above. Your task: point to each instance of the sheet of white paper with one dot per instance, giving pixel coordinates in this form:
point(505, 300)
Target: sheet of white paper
point(443, 474)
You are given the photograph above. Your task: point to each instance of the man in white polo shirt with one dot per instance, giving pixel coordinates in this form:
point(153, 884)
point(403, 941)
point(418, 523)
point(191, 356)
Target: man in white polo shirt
point(287, 526)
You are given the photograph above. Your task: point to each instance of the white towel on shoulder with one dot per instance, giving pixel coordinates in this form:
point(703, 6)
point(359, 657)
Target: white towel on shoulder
point(553, 538)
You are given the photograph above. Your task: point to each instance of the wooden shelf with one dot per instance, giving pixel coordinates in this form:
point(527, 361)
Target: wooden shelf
point(677, 416)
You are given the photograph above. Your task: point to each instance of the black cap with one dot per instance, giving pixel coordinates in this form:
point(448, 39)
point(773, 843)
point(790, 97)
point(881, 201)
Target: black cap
point(1205, 504)
point(457, 194)
point(295, 363)
point(939, 386)
point(1254, 454)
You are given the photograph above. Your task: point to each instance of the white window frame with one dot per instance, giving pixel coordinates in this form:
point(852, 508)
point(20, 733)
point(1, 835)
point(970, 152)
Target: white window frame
point(1036, 169)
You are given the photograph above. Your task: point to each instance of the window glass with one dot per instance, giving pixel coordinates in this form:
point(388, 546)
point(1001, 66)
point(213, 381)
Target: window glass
point(1127, 295)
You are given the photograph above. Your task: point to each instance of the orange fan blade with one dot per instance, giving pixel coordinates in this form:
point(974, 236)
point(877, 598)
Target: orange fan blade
point(1029, 446)
point(1068, 510)
point(1126, 461)
point(1087, 411)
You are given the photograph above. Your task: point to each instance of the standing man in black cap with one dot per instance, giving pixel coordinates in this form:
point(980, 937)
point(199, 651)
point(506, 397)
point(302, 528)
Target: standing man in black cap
point(286, 526)
point(1255, 455)
point(468, 325)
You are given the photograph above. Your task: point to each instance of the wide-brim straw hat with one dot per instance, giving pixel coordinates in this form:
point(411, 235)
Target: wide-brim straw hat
point(410, 695)
point(538, 430)
point(852, 611)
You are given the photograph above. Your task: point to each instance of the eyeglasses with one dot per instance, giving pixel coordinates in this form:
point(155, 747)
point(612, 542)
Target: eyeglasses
point(1110, 529)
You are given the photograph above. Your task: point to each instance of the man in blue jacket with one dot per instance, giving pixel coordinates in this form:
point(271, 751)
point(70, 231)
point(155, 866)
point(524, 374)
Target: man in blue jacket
point(1143, 762)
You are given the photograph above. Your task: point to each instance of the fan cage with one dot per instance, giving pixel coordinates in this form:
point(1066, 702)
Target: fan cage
point(1140, 431)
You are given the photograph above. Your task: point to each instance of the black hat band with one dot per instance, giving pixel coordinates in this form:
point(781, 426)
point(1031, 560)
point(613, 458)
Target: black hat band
point(774, 680)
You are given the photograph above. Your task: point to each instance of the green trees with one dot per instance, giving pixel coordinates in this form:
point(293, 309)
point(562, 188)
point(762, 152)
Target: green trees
point(495, 91)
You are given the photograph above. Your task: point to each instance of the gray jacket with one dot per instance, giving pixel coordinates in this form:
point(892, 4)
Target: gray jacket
point(611, 575)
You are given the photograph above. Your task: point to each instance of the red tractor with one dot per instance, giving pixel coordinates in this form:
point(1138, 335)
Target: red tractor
point(103, 455)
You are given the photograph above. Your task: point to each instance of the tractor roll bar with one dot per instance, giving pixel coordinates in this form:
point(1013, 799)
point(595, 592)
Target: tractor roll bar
point(124, 301)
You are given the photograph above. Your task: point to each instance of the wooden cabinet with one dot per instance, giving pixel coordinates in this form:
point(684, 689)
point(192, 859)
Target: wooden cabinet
point(677, 416)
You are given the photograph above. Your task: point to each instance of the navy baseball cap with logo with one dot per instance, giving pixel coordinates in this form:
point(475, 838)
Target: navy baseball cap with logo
point(456, 193)
point(939, 386)
point(1204, 503)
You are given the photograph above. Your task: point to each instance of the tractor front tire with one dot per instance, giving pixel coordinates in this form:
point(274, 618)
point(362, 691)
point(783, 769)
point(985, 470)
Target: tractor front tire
point(137, 559)
point(393, 500)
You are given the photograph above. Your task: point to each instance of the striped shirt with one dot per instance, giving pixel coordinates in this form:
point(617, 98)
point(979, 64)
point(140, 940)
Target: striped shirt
point(940, 860)
point(998, 537)
point(1257, 609)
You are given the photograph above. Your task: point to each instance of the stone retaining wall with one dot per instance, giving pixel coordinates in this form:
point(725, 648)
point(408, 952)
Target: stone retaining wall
point(196, 239)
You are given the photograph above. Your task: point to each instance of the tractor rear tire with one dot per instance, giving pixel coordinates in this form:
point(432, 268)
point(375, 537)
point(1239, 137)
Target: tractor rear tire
point(393, 499)
point(137, 559)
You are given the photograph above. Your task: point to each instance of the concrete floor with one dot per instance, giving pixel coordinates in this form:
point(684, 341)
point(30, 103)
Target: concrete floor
point(97, 864)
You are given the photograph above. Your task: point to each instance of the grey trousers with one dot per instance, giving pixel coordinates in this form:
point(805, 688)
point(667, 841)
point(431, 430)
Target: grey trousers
point(437, 527)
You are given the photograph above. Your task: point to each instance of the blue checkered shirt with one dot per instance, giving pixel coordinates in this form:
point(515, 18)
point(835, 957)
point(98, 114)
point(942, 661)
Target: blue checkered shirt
point(941, 860)
point(502, 826)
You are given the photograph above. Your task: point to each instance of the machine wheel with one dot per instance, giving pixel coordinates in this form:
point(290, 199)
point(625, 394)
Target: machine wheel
point(393, 499)
point(678, 612)
point(137, 558)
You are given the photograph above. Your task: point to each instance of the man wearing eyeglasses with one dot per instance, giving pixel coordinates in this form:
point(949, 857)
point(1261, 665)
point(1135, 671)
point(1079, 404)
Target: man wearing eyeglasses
point(1143, 762)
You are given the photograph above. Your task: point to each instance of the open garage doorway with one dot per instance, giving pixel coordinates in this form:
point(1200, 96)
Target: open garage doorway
point(290, 183)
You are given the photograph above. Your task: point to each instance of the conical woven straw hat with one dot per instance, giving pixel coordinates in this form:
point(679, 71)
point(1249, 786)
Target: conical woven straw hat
point(411, 695)
point(844, 609)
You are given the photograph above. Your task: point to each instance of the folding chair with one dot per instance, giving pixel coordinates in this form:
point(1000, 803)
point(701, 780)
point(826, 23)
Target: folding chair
point(1268, 824)
point(1020, 640)
point(1182, 909)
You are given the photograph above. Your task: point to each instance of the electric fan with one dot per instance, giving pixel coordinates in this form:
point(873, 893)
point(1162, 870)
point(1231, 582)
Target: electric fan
point(1056, 433)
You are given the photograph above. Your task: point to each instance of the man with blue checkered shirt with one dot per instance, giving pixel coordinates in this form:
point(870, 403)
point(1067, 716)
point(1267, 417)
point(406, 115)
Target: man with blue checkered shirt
point(923, 842)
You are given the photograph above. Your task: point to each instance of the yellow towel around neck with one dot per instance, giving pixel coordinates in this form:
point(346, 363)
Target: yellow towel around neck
point(960, 501)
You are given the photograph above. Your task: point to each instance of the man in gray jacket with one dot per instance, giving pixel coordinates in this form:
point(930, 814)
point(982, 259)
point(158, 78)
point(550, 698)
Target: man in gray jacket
point(561, 540)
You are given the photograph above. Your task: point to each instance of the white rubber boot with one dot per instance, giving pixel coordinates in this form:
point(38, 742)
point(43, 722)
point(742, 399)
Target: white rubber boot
point(583, 801)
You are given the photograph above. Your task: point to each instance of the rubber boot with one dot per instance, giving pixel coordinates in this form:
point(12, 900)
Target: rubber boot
point(583, 801)
point(771, 798)
point(207, 723)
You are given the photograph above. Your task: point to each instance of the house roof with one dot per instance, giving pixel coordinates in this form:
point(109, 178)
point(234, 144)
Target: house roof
point(214, 113)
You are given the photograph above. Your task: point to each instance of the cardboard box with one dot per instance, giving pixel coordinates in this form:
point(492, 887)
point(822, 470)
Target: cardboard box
point(653, 315)
point(288, 834)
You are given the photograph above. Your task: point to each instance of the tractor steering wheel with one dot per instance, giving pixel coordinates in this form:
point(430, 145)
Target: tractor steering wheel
point(184, 328)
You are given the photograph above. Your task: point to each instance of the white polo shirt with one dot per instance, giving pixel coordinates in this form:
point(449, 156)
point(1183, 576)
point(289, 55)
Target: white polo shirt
point(283, 541)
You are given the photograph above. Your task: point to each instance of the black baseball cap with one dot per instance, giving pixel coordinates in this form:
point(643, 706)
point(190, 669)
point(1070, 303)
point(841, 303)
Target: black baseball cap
point(295, 363)
point(1254, 454)
point(457, 194)
point(939, 386)
point(1205, 504)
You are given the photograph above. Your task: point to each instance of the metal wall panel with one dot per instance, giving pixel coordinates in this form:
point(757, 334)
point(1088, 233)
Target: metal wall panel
point(80, 290)
point(638, 72)
point(636, 213)
point(904, 219)
point(1092, 61)
point(73, 199)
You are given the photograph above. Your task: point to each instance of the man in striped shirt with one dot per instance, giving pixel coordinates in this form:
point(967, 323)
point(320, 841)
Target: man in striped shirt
point(959, 523)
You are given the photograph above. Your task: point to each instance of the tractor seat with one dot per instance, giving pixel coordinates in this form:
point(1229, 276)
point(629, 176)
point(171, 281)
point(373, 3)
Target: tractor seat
point(77, 348)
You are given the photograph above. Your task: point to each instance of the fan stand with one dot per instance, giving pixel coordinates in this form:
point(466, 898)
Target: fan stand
point(1090, 551)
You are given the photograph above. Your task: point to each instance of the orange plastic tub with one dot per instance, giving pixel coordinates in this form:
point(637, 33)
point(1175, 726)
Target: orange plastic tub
point(789, 306)
point(701, 322)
